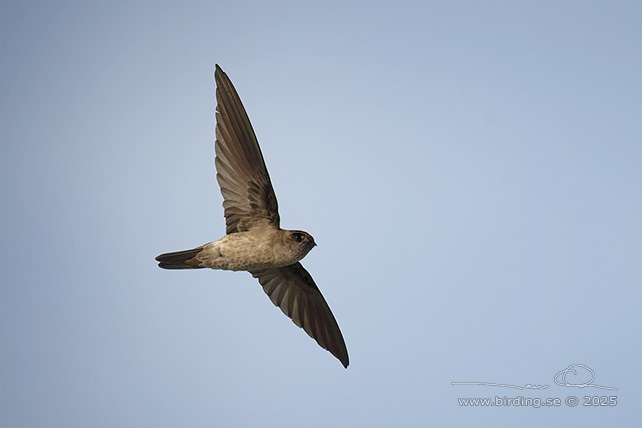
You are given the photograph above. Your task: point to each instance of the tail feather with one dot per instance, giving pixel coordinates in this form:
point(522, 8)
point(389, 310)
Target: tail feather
point(180, 259)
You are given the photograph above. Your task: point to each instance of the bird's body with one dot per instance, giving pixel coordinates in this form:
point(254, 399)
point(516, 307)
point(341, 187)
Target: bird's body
point(259, 249)
point(255, 241)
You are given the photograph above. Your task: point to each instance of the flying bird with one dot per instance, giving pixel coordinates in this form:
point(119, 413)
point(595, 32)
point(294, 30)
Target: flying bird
point(254, 241)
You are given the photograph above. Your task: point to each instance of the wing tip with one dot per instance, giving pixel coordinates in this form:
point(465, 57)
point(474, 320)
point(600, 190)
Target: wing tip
point(345, 362)
point(219, 73)
point(341, 353)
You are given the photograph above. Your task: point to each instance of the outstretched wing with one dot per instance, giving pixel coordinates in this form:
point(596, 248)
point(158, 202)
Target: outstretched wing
point(292, 289)
point(241, 172)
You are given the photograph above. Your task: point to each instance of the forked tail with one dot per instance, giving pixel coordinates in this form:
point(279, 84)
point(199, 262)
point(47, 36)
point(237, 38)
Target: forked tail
point(180, 259)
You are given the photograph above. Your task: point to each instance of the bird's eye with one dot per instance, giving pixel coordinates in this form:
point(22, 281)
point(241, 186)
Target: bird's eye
point(298, 237)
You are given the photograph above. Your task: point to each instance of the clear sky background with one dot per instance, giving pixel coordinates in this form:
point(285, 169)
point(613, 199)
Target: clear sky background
point(471, 172)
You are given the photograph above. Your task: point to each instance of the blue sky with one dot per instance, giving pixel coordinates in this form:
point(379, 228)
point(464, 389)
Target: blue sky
point(471, 172)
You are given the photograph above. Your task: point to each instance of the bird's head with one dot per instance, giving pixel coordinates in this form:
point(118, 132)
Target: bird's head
point(299, 242)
